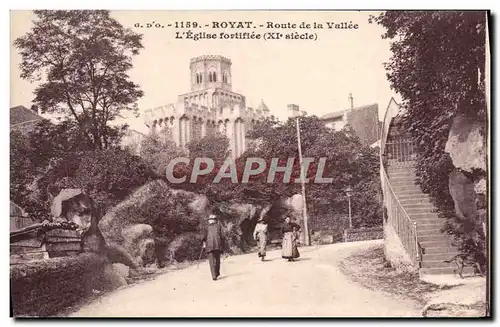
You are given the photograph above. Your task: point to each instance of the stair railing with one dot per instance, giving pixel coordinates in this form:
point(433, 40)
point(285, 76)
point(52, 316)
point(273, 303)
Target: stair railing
point(397, 216)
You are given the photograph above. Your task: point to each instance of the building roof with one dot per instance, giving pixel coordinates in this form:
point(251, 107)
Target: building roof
point(262, 106)
point(21, 114)
point(338, 114)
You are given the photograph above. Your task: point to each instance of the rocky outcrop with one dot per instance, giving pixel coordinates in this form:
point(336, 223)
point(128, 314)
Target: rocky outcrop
point(466, 144)
point(185, 247)
point(238, 220)
point(462, 190)
point(130, 223)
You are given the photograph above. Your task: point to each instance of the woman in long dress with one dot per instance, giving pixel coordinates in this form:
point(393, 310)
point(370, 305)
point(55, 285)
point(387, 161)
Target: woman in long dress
point(289, 246)
point(260, 235)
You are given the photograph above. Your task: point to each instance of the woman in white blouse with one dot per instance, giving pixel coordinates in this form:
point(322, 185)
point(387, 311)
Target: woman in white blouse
point(260, 235)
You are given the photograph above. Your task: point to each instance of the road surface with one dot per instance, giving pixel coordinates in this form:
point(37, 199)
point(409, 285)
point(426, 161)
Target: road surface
point(313, 287)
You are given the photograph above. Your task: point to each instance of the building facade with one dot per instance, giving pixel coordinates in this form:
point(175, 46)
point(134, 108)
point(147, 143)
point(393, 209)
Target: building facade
point(210, 107)
point(363, 120)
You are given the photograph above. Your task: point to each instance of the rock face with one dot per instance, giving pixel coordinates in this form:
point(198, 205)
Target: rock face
point(467, 148)
point(130, 223)
point(466, 145)
point(115, 275)
point(463, 193)
point(238, 221)
point(185, 247)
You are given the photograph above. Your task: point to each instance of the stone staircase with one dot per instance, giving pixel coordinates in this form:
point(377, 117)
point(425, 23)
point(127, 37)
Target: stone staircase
point(436, 246)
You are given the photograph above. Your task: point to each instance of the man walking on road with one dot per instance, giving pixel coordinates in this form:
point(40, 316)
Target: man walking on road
point(213, 243)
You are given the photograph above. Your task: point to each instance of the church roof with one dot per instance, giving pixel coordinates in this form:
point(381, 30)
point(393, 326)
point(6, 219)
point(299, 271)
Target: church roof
point(262, 106)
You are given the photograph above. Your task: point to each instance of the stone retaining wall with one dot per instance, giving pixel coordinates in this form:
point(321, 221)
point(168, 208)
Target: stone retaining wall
point(363, 234)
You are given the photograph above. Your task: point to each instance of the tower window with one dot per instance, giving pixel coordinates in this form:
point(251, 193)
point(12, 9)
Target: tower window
point(224, 78)
point(199, 78)
point(212, 77)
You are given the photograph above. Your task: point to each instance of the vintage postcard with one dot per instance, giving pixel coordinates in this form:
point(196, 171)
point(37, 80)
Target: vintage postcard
point(249, 163)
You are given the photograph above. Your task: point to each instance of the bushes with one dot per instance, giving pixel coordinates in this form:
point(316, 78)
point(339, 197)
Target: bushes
point(42, 288)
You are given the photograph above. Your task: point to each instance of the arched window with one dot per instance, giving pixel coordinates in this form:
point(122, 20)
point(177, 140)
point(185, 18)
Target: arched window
point(224, 78)
point(210, 77)
point(215, 77)
point(201, 78)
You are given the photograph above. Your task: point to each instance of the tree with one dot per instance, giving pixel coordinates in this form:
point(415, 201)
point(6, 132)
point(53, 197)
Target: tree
point(438, 68)
point(22, 168)
point(109, 175)
point(158, 149)
point(51, 157)
point(347, 163)
point(82, 57)
point(215, 147)
point(48, 153)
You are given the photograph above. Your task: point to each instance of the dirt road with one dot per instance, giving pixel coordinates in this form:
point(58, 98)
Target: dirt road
point(313, 286)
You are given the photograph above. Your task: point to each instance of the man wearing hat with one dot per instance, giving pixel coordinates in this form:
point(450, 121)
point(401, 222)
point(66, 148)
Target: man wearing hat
point(213, 243)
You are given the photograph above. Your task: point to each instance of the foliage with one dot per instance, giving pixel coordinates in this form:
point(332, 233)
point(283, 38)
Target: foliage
point(438, 68)
point(109, 175)
point(82, 58)
point(347, 162)
point(215, 147)
point(158, 150)
point(21, 166)
point(168, 212)
point(52, 157)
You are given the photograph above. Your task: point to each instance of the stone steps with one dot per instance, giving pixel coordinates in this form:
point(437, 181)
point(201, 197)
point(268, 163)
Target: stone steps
point(415, 202)
point(407, 191)
point(436, 264)
point(444, 256)
point(435, 237)
point(445, 271)
point(417, 205)
point(423, 215)
point(429, 231)
point(436, 246)
point(402, 181)
point(416, 196)
point(439, 250)
point(419, 210)
point(436, 243)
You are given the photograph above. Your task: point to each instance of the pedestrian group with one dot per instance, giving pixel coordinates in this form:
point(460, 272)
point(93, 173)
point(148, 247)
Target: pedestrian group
point(214, 242)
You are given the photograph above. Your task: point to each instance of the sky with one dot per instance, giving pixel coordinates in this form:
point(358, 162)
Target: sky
point(316, 75)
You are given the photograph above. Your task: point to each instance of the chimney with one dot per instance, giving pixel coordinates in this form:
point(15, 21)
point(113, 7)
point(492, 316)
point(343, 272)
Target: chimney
point(351, 101)
point(293, 110)
point(35, 109)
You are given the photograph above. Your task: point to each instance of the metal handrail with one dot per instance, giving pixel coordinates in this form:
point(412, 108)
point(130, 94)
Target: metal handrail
point(397, 215)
